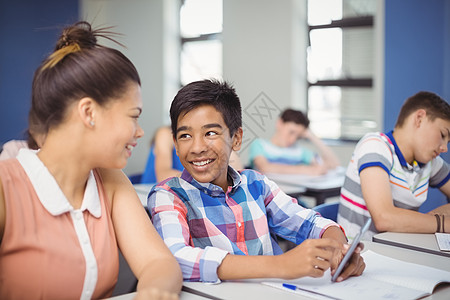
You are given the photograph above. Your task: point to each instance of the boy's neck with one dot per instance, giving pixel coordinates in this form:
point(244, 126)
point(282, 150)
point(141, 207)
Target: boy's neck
point(403, 140)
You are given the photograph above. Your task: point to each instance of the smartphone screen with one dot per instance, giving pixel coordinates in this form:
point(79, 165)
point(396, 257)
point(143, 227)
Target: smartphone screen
point(351, 250)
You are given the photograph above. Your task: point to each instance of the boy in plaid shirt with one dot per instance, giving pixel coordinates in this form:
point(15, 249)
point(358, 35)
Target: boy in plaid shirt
point(222, 224)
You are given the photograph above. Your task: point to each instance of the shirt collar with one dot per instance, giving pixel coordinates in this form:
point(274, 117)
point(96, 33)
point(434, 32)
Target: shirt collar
point(48, 191)
point(416, 165)
point(210, 188)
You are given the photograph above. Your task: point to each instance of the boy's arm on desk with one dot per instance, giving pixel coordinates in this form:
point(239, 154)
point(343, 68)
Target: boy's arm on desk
point(376, 191)
point(311, 258)
point(253, 289)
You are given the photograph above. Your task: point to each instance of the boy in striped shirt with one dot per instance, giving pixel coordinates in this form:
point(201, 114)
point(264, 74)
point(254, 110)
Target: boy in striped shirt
point(222, 224)
point(389, 174)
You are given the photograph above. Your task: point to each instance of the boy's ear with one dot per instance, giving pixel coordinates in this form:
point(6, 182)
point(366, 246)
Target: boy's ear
point(419, 117)
point(175, 144)
point(86, 110)
point(237, 139)
point(279, 123)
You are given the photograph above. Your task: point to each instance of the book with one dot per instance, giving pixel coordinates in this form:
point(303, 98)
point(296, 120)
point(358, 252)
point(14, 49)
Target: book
point(383, 278)
point(443, 240)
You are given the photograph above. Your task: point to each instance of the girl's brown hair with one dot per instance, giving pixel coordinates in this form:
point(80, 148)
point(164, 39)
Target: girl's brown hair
point(79, 67)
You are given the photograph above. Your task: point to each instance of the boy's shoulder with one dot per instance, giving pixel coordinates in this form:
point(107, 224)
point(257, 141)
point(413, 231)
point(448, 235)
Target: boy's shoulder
point(376, 137)
point(167, 184)
point(377, 143)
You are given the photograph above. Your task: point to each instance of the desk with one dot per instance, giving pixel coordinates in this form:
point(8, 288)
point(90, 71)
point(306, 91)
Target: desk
point(415, 241)
point(183, 296)
point(320, 187)
point(253, 290)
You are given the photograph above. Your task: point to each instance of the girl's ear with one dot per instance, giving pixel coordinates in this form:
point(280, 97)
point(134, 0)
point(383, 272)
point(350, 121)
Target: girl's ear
point(237, 139)
point(86, 111)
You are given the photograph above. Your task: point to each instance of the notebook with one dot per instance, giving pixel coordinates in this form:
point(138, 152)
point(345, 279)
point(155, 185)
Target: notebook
point(384, 277)
point(443, 240)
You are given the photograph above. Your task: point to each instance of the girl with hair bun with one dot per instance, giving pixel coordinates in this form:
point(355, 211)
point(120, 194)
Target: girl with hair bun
point(66, 208)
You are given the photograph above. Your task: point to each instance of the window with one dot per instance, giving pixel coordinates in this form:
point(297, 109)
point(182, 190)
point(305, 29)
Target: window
point(201, 45)
point(340, 68)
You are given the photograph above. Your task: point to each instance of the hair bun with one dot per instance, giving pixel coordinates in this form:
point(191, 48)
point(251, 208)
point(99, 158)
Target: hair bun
point(80, 33)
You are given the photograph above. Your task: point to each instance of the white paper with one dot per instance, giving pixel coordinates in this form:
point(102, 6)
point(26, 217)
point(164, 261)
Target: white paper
point(383, 278)
point(443, 240)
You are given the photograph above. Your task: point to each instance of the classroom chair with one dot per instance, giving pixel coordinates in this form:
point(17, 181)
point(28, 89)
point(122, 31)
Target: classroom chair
point(135, 178)
point(328, 210)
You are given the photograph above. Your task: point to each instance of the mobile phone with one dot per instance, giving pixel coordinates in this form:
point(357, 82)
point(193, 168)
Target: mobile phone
point(351, 250)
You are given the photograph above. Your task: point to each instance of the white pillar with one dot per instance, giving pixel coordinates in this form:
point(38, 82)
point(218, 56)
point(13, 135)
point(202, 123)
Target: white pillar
point(151, 34)
point(264, 56)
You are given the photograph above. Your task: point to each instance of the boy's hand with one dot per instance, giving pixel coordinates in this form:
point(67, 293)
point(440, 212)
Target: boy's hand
point(355, 266)
point(311, 258)
point(317, 169)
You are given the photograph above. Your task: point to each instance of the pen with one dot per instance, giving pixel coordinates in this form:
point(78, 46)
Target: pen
point(293, 287)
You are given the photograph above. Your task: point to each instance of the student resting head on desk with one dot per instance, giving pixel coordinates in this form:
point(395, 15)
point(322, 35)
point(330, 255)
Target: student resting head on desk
point(389, 174)
point(220, 223)
point(283, 154)
point(65, 209)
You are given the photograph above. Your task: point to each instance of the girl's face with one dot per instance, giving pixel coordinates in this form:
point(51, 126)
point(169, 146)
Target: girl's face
point(118, 128)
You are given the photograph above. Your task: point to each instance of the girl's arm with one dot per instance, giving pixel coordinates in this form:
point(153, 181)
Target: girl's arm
point(147, 255)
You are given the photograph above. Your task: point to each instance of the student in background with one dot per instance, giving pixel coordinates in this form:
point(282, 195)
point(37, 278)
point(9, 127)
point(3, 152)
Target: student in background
point(76, 205)
point(220, 223)
point(35, 139)
point(163, 161)
point(282, 153)
point(389, 174)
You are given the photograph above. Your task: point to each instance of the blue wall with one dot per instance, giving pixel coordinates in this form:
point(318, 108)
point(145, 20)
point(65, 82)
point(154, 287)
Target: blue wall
point(415, 50)
point(28, 33)
point(417, 55)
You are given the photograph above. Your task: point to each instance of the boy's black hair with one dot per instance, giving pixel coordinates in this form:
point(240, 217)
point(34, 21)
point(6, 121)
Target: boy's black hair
point(296, 116)
point(221, 95)
point(435, 106)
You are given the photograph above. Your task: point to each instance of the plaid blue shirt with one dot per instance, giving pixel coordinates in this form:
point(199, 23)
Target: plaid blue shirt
point(201, 224)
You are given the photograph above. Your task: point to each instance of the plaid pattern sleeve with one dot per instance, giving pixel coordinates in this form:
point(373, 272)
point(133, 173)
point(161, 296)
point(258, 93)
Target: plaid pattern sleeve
point(291, 221)
point(201, 224)
point(169, 216)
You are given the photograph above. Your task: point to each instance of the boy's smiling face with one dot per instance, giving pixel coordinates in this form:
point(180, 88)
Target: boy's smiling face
point(204, 145)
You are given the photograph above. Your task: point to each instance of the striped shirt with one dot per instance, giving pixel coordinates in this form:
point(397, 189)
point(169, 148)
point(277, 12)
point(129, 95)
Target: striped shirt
point(409, 184)
point(201, 224)
point(293, 155)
